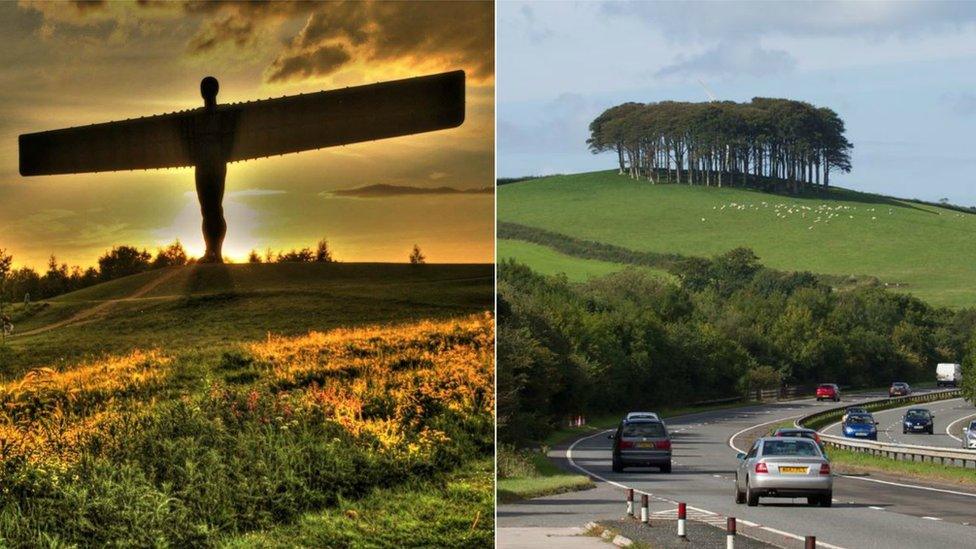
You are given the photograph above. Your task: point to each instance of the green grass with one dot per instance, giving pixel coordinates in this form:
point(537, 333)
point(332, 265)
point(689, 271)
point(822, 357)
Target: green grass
point(211, 308)
point(926, 250)
point(848, 462)
point(547, 261)
point(533, 475)
point(454, 511)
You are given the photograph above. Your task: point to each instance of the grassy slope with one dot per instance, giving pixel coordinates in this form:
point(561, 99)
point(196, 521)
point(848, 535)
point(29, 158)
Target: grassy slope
point(205, 311)
point(927, 249)
point(208, 308)
point(550, 262)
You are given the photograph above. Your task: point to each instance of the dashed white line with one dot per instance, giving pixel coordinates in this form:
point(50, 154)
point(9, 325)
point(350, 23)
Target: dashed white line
point(876, 508)
point(931, 518)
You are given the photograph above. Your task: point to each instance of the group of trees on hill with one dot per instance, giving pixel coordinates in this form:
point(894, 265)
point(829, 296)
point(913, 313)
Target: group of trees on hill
point(725, 143)
point(632, 340)
point(59, 278)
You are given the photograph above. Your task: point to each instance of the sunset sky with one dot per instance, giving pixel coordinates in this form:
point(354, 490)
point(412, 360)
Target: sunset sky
point(75, 64)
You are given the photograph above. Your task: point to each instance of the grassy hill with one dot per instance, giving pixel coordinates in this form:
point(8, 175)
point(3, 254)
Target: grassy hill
point(214, 306)
point(279, 404)
point(922, 249)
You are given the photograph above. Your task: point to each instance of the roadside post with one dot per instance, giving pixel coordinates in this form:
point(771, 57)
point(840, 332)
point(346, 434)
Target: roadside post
point(644, 514)
point(730, 533)
point(682, 515)
point(810, 543)
point(630, 502)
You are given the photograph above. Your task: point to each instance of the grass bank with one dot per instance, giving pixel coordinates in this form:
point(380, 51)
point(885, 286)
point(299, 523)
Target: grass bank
point(526, 474)
point(848, 462)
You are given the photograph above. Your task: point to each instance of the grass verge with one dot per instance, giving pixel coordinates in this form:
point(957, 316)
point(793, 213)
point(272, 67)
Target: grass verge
point(456, 510)
point(525, 474)
point(848, 462)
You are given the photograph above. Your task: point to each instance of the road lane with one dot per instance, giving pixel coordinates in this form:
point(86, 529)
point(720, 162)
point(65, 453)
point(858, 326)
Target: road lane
point(866, 514)
point(946, 412)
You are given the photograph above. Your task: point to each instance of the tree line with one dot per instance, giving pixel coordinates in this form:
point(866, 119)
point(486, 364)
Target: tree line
point(766, 141)
point(120, 261)
point(632, 340)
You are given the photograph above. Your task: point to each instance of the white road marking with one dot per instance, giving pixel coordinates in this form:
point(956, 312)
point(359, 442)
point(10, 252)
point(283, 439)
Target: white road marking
point(915, 486)
point(931, 518)
point(876, 508)
point(949, 426)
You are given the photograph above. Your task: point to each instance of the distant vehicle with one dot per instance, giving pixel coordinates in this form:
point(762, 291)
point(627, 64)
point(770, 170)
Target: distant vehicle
point(828, 391)
point(899, 388)
point(797, 432)
point(784, 468)
point(851, 410)
point(969, 435)
point(948, 374)
point(860, 426)
point(918, 420)
point(644, 415)
point(641, 442)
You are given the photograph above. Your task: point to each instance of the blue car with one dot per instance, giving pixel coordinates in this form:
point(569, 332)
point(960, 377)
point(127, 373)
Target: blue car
point(861, 426)
point(918, 420)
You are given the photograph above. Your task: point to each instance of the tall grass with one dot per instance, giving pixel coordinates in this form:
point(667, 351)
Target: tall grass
point(291, 425)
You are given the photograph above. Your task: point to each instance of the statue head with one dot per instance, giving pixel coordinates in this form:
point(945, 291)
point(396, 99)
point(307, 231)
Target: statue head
point(208, 89)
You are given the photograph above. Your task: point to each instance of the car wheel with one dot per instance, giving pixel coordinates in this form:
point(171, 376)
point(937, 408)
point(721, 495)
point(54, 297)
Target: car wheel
point(827, 500)
point(740, 496)
point(618, 467)
point(752, 498)
point(666, 468)
point(931, 430)
point(904, 431)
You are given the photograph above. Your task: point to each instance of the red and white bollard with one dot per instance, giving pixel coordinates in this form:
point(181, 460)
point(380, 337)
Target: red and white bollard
point(682, 515)
point(644, 516)
point(730, 533)
point(630, 502)
point(810, 543)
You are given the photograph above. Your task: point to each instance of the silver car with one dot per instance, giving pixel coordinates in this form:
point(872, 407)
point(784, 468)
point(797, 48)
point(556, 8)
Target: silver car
point(969, 435)
point(784, 467)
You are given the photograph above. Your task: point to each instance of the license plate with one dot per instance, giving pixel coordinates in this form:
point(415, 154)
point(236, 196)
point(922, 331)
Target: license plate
point(793, 470)
point(645, 444)
point(860, 434)
point(918, 427)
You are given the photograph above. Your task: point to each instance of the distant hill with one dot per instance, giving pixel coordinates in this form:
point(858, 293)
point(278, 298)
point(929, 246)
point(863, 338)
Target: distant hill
point(923, 249)
point(381, 190)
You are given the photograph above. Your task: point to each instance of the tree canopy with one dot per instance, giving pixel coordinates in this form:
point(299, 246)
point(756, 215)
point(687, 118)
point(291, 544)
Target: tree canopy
point(725, 143)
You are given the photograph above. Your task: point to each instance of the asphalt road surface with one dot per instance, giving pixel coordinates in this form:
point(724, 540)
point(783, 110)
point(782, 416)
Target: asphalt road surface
point(954, 414)
point(868, 511)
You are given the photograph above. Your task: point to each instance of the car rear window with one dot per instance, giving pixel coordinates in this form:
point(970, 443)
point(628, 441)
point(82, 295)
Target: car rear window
point(647, 429)
point(826, 387)
point(801, 434)
point(790, 448)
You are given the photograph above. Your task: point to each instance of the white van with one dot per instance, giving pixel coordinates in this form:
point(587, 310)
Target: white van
point(948, 375)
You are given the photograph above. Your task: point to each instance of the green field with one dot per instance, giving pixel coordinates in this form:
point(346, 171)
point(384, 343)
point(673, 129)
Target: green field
point(547, 261)
point(272, 405)
point(925, 250)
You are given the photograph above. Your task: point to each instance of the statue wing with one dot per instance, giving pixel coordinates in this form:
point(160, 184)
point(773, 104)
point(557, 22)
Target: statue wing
point(351, 115)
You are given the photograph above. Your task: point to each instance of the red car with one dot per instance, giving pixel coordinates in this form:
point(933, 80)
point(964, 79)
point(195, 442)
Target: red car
point(828, 391)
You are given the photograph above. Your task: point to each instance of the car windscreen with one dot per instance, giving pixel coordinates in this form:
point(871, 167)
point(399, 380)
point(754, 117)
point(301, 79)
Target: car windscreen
point(648, 429)
point(972, 426)
point(787, 447)
point(860, 419)
point(856, 411)
point(917, 414)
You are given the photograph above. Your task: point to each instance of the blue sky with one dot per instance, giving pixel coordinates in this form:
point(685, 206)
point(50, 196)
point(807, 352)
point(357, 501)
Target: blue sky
point(902, 75)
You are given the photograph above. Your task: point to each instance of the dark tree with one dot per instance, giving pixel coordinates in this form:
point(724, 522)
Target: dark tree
point(416, 257)
point(123, 261)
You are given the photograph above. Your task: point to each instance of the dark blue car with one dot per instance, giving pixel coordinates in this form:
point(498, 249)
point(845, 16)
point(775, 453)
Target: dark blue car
point(860, 426)
point(918, 420)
